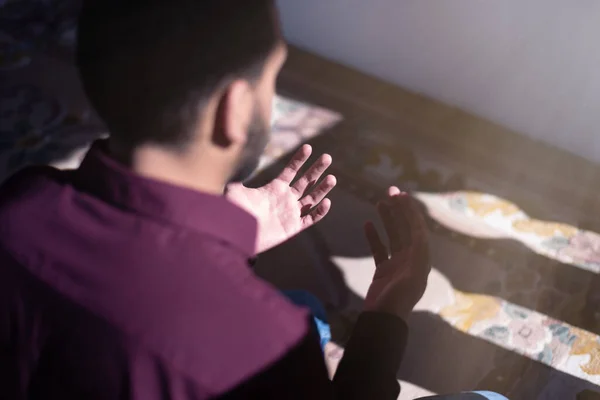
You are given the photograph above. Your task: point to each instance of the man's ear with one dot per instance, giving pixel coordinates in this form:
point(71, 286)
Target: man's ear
point(233, 114)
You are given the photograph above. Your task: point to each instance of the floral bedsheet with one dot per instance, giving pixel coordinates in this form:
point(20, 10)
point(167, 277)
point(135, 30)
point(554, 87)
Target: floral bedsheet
point(551, 341)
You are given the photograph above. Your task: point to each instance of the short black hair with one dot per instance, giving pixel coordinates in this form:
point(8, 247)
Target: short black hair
point(147, 66)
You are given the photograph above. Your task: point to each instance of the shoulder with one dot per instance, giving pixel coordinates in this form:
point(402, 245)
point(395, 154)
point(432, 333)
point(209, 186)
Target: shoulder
point(31, 174)
point(30, 184)
point(26, 198)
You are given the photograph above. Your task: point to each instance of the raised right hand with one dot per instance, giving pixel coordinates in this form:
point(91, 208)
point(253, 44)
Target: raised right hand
point(402, 267)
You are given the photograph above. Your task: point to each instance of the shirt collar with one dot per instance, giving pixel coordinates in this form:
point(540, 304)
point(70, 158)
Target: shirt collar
point(102, 176)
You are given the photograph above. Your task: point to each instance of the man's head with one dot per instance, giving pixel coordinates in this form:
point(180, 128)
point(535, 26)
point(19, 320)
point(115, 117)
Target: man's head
point(191, 78)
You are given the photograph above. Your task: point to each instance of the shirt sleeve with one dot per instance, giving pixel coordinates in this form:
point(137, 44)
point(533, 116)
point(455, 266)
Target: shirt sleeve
point(367, 370)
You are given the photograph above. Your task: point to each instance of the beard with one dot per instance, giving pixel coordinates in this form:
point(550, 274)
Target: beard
point(258, 138)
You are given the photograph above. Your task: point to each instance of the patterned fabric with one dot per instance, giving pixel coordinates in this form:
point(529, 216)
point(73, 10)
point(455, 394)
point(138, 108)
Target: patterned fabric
point(555, 240)
point(40, 24)
point(528, 289)
point(533, 334)
point(293, 123)
point(468, 396)
point(43, 120)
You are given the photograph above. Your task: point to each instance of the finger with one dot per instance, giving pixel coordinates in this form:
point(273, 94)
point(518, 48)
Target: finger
point(378, 249)
point(316, 214)
point(291, 169)
point(415, 218)
point(400, 209)
point(302, 185)
point(393, 191)
point(419, 227)
point(391, 229)
point(419, 244)
point(319, 192)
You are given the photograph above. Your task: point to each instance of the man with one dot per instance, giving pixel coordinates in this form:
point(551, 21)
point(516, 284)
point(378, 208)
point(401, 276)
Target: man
point(128, 278)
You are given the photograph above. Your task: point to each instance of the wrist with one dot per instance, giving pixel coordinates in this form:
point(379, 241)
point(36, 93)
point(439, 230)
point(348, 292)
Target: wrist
point(397, 309)
point(400, 313)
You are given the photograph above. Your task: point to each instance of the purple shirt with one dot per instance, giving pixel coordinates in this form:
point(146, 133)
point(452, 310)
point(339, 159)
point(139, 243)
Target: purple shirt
point(114, 286)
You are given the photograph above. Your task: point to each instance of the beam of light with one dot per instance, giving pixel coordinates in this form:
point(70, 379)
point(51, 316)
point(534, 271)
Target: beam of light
point(531, 334)
point(486, 216)
point(293, 123)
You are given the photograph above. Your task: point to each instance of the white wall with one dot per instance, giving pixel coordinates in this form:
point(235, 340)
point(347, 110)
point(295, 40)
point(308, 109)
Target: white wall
point(530, 65)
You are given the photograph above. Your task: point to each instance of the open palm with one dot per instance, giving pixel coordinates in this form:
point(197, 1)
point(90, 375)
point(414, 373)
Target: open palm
point(287, 205)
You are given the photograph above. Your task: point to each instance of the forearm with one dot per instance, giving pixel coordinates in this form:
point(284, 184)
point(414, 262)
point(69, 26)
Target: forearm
point(372, 358)
point(367, 371)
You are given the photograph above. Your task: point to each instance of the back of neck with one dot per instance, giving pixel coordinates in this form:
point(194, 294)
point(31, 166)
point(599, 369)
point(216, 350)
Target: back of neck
point(183, 169)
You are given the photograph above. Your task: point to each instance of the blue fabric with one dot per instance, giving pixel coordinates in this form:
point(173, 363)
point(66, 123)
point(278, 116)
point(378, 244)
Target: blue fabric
point(305, 299)
point(481, 395)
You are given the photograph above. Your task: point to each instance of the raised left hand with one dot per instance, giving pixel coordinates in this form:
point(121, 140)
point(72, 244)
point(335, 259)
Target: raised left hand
point(284, 209)
point(403, 265)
